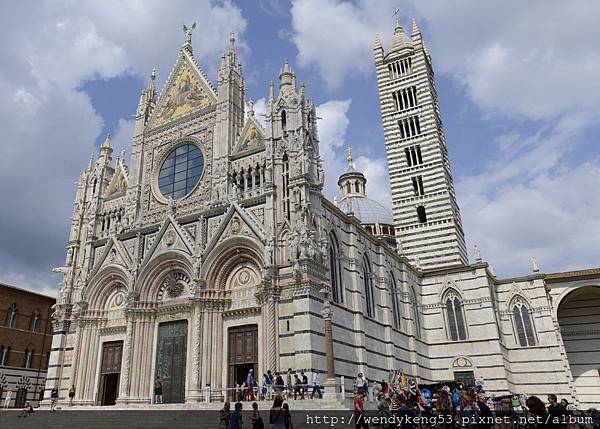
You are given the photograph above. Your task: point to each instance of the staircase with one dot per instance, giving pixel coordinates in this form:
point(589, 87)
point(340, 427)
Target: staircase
point(199, 415)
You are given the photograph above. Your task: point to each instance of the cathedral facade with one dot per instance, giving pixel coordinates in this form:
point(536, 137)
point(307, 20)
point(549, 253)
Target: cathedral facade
point(214, 252)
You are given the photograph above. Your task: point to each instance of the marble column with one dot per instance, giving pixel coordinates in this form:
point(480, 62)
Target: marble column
point(126, 361)
point(330, 384)
point(195, 394)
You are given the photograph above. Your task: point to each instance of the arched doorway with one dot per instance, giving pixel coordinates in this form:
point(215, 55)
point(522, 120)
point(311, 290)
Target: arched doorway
point(579, 320)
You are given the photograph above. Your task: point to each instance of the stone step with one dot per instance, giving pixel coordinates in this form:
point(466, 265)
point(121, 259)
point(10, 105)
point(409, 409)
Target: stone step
point(299, 404)
point(161, 417)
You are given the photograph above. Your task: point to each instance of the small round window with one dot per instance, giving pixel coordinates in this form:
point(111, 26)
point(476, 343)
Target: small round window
point(181, 171)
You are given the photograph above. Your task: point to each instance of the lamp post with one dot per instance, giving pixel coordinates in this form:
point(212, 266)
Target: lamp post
point(330, 385)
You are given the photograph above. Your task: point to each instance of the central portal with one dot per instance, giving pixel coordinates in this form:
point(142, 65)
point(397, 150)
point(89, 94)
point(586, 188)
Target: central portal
point(110, 372)
point(171, 359)
point(243, 353)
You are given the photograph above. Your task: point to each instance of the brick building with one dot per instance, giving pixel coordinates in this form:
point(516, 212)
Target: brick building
point(25, 341)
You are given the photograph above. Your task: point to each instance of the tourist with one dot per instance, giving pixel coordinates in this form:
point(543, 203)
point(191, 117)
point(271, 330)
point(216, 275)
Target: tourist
point(71, 395)
point(27, 409)
point(269, 383)
point(225, 416)
point(7, 399)
point(361, 384)
point(279, 384)
point(53, 398)
point(556, 412)
point(289, 384)
point(287, 416)
point(304, 384)
point(537, 409)
point(467, 408)
point(359, 399)
point(237, 390)
point(276, 416)
point(264, 390)
point(255, 418)
point(507, 414)
point(484, 413)
point(316, 386)
point(568, 412)
point(405, 413)
point(376, 389)
point(383, 411)
point(443, 407)
point(235, 420)
point(298, 387)
point(157, 390)
point(250, 385)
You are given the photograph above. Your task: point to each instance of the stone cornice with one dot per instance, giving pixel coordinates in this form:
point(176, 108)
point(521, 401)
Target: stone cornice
point(573, 275)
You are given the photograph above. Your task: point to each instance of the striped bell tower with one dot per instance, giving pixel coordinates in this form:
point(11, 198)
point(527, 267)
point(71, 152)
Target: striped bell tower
point(427, 218)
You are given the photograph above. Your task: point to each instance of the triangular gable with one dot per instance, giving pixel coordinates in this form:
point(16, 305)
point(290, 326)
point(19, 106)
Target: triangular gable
point(114, 254)
point(251, 137)
point(187, 89)
point(118, 183)
point(171, 236)
point(227, 226)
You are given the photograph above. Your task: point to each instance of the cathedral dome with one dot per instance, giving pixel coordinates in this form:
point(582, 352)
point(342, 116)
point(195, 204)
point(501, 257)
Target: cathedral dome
point(373, 216)
point(367, 210)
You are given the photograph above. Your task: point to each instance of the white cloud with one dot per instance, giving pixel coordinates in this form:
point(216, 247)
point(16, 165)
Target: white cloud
point(121, 140)
point(49, 125)
point(535, 61)
point(336, 38)
point(333, 125)
point(531, 204)
point(538, 61)
point(260, 110)
point(378, 182)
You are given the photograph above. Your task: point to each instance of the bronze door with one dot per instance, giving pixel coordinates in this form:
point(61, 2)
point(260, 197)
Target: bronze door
point(242, 353)
point(110, 372)
point(171, 359)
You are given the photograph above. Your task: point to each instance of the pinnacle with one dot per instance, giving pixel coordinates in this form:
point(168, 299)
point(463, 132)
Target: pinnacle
point(415, 33)
point(106, 143)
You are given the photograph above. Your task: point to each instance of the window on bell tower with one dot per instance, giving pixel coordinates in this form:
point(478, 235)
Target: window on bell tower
point(409, 127)
point(405, 98)
point(422, 214)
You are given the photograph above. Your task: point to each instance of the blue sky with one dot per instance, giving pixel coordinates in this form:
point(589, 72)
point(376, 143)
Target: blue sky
point(517, 86)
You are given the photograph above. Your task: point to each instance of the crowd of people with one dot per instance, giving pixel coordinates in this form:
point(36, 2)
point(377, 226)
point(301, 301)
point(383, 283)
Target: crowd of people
point(279, 415)
point(295, 385)
point(400, 400)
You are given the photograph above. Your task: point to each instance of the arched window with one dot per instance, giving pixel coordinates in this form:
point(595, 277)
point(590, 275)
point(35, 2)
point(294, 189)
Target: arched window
point(11, 316)
point(283, 120)
point(33, 323)
point(28, 362)
point(356, 189)
point(456, 320)
point(523, 324)
point(335, 272)
point(286, 186)
point(396, 314)
point(415, 313)
point(422, 214)
point(368, 283)
point(4, 355)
